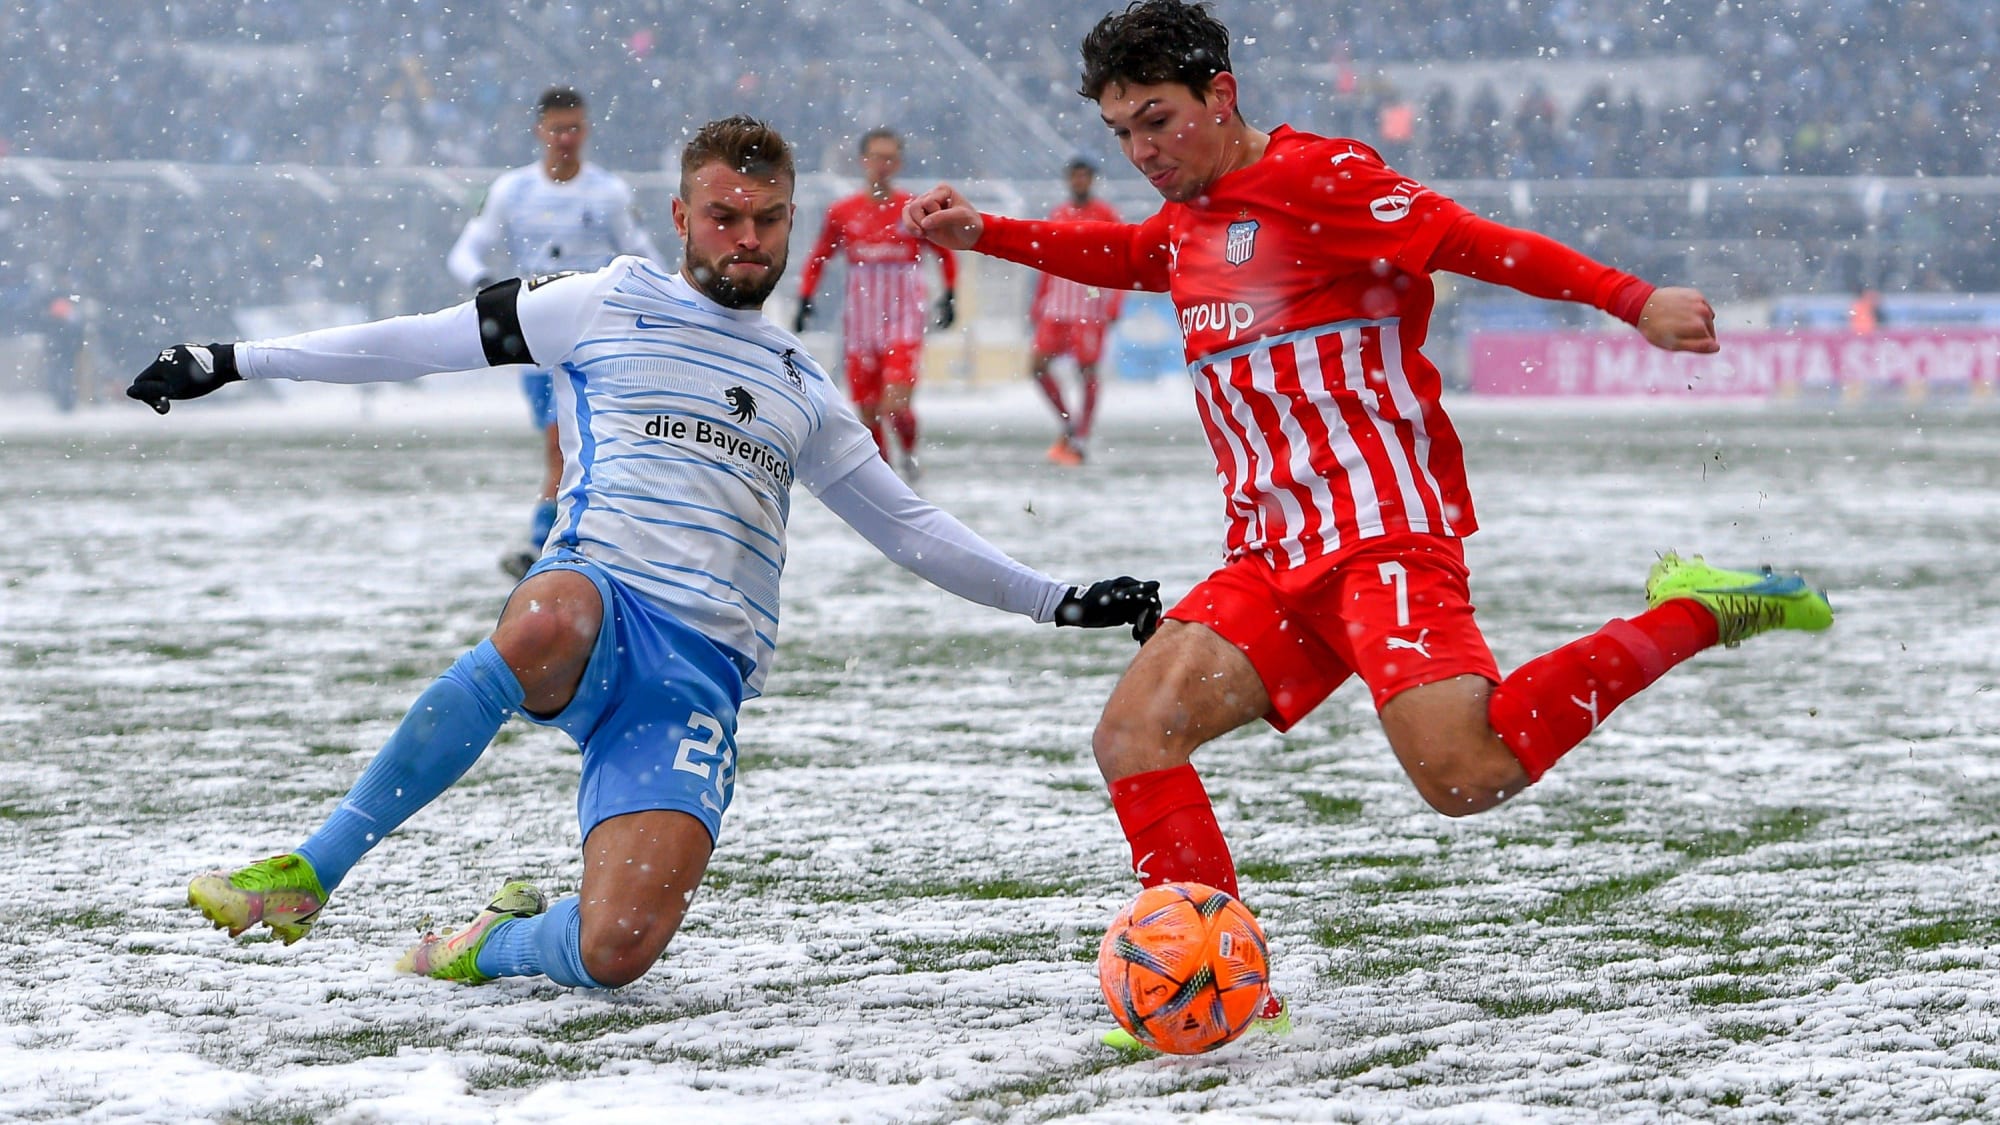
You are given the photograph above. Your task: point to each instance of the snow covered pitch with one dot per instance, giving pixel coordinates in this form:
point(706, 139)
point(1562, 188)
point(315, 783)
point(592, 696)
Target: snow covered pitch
point(1766, 891)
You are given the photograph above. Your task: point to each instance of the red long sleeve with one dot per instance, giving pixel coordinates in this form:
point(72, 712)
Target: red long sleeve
point(822, 252)
point(1107, 255)
point(1538, 266)
point(947, 264)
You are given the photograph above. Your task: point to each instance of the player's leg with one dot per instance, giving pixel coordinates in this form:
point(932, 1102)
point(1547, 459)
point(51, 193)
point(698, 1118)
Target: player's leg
point(1551, 703)
point(1039, 364)
point(1089, 350)
point(640, 874)
point(1050, 341)
point(1185, 687)
point(1468, 742)
point(864, 387)
point(533, 660)
point(899, 385)
point(1228, 653)
point(657, 723)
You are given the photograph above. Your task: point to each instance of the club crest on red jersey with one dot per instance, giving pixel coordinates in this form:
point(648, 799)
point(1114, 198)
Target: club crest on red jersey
point(1242, 242)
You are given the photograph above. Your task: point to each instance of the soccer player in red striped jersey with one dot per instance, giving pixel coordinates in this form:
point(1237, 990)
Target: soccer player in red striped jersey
point(883, 322)
point(1071, 319)
point(1300, 266)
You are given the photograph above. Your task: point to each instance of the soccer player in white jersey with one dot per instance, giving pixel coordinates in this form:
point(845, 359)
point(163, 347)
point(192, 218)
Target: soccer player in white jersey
point(560, 213)
point(685, 418)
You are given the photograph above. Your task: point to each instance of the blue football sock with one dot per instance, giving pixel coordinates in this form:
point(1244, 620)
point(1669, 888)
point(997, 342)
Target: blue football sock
point(445, 731)
point(549, 945)
point(543, 523)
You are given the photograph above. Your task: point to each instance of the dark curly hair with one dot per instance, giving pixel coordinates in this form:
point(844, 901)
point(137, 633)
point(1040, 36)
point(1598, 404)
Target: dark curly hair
point(1153, 42)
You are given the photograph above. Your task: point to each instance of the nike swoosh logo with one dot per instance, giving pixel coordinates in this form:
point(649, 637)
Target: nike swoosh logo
point(642, 322)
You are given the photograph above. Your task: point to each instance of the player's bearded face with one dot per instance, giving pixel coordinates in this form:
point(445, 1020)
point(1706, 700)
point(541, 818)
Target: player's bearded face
point(736, 227)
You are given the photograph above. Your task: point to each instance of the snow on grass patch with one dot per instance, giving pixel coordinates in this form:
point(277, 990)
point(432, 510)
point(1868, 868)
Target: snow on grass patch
point(1763, 891)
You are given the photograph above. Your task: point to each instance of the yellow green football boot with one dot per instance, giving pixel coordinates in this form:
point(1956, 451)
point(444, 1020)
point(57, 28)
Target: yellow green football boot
point(282, 892)
point(454, 955)
point(1274, 1019)
point(1744, 602)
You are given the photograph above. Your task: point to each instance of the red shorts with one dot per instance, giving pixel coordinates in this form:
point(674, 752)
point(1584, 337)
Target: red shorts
point(1082, 339)
point(1395, 610)
point(869, 372)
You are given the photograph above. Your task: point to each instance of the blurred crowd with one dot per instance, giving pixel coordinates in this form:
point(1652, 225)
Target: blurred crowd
point(1835, 87)
point(1721, 88)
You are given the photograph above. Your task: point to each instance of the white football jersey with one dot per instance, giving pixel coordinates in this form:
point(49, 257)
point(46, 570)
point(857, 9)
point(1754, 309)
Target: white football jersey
point(545, 226)
point(683, 426)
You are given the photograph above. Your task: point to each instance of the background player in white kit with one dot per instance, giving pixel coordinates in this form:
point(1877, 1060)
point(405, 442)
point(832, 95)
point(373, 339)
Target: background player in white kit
point(685, 418)
point(561, 213)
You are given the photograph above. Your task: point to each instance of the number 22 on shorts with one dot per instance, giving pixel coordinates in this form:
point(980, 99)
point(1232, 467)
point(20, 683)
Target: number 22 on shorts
point(706, 757)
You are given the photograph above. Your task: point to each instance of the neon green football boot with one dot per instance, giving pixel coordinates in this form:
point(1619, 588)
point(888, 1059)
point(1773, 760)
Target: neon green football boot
point(282, 892)
point(455, 955)
point(1273, 1019)
point(1744, 602)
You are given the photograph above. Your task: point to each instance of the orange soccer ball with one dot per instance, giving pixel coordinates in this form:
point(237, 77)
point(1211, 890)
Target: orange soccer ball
point(1184, 968)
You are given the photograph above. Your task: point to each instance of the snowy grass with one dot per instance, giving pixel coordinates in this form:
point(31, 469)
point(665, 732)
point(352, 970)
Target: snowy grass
point(1766, 891)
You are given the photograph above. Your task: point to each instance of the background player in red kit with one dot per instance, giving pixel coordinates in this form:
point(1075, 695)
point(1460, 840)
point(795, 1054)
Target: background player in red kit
point(1301, 266)
point(883, 322)
point(1071, 319)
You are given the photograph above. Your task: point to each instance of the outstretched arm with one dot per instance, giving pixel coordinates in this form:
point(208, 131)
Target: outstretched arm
point(1107, 255)
point(505, 325)
point(927, 541)
point(1675, 319)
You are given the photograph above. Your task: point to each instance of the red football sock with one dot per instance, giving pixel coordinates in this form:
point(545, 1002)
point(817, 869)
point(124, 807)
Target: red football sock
point(1552, 702)
point(1089, 412)
point(1052, 390)
point(1171, 826)
point(874, 425)
point(905, 421)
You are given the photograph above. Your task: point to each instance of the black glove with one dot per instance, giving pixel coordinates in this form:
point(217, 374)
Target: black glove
point(484, 281)
point(184, 371)
point(805, 310)
point(1114, 601)
point(947, 310)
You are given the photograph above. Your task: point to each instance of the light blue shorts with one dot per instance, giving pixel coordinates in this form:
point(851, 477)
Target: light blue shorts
point(541, 392)
point(655, 713)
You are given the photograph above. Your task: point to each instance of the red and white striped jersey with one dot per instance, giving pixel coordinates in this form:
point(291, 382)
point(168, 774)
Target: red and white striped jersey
point(1304, 303)
point(1062, 301)
point(885, 303)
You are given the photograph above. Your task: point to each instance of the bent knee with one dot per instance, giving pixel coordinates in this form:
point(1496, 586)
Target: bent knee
point(618, 961)
point(1127, 743)
point(545, 631)
point(1468, 784)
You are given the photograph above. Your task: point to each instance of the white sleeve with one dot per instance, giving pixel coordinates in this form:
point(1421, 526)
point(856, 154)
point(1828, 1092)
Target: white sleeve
point(528, 326)
point(923, 539)
point(467, 260)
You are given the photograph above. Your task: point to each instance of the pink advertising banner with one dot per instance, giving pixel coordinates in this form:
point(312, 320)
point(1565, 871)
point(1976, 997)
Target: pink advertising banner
point(1750, 365)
